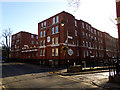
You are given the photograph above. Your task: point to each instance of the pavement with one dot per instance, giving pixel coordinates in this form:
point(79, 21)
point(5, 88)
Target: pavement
point(103, 82)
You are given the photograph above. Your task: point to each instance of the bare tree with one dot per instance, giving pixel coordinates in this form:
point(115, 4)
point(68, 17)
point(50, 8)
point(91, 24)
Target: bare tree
point(6, 42)
point(74, 3)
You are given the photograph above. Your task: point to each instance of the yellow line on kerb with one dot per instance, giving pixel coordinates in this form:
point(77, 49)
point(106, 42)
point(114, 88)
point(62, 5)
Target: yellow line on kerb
point(2, 87)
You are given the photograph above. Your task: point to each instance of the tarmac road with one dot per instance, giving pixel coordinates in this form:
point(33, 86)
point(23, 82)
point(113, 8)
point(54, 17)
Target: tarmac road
point(20, 75)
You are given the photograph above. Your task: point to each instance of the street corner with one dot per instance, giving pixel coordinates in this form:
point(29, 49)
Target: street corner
point(104, 83)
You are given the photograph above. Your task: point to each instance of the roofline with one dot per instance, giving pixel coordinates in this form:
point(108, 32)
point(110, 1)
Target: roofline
point(56, 15)
point(24, 32)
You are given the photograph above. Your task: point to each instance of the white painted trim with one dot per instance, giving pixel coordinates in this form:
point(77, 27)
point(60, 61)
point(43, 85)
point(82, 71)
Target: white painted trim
point(54, 45)
point(70, 37)
point(30, 50)
point(42, 47)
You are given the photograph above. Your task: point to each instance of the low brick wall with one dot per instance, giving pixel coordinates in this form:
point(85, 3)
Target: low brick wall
point(76, 68)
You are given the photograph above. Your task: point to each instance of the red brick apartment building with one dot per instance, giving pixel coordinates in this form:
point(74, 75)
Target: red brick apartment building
point(118, 21)
point(24, 46)
point(63, 39)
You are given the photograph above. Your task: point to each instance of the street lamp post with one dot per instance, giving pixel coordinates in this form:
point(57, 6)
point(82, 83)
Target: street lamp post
point(67, 65)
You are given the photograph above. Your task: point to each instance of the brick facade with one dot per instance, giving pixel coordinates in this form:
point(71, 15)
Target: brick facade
point(62, 38)
point(86, 42)
point(24, 46)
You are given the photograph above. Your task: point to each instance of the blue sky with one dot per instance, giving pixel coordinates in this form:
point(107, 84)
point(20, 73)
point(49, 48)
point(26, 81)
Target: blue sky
point(25, 15)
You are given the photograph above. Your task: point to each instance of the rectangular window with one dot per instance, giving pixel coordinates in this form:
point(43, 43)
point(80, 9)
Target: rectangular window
point(44, 24)
point(56, 52)
point(77, 43)
point(31, 36)
point(43, 42)
point(95, 38)
point(86, 44)
point(87, 53)
point(40, 43)
point(53, 30)
point(75, 23)
point(82, 25)
point(56, 29)
point(83, 34)
point(77, 52)
point(41, 34)
point(53, 20)
point(37, 43)
point(36, 37)
point(57, 19)
point(41, 25)
point(52, 40)
point(32, 42)
point(43, 52)
point(90, 44)
point(52, 52)
point(83, 43)
point(75, 32)
point(56, 40)
point(44, 34)
point(94, 31)
point(89, 28)
point(98, 33)
point(89, 36)
point(86, 26)
point(86, 35)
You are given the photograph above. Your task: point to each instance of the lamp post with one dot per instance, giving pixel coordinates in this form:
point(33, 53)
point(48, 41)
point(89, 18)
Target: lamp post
point(68, 65)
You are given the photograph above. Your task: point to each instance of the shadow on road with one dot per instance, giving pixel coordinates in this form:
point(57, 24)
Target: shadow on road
point(15, 69)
